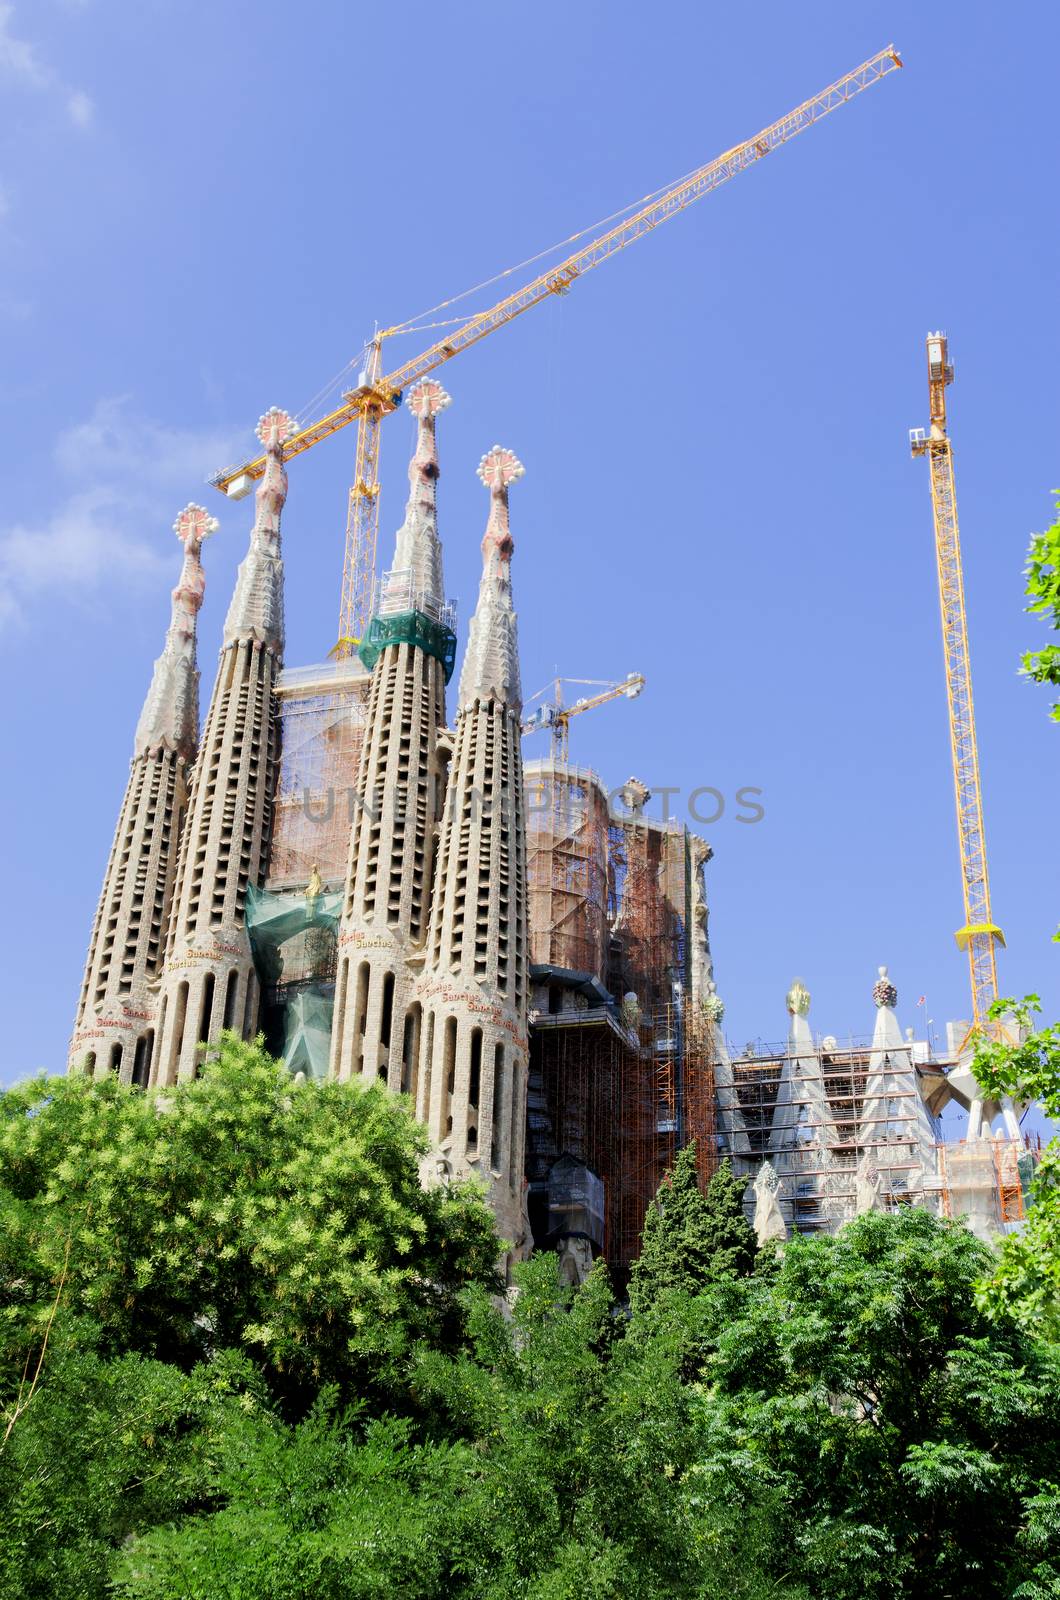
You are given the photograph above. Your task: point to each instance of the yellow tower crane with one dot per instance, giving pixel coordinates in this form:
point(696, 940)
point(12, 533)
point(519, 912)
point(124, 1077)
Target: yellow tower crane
point(376, 395)
point(554, 714)
point(980, 935)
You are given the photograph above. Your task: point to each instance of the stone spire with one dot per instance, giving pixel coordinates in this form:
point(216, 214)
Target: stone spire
point(409, 649)
point(491, 662)
point(170, 717)
point(470, 1089)
point(209, 982)
point(416, 581)
point(256, 611)
point(896, 1137)
point(114, 1030)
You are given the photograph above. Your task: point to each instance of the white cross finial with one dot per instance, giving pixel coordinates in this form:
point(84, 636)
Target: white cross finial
point(500, 467)
point(275, 428)
point(427, 398)
point(194, 524)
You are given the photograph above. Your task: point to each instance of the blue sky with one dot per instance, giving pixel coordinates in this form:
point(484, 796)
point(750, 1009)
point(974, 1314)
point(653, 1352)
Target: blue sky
point(205, 208)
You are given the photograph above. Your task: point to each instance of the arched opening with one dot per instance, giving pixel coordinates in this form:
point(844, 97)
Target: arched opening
point(428, 1070)
point(206, 1009)
point(115, 1058)
point(180, 1012)
point(500, 1108)
point(231, 996)
point(410, 1051)
point(339, 1023)
point(141, 1061)
point(250, 1012)
point(449, 1069)
point(386, 1022)
point(360, 1015)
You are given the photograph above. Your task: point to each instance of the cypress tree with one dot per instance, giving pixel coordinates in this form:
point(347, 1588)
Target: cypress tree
point(691, 1239)
point(730, 1237)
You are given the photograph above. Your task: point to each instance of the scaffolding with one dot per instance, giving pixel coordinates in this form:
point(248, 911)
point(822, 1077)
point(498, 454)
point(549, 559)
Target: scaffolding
point(322, 715)
point(847, 1132)
point(566, 841)
point(621, 1063)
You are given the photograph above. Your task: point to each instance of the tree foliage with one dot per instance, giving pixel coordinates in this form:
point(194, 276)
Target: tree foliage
point(1025, 1283)
point(690, 1238)
point(240, 1211)
point(841, 1421)
point(1043, 590)
point(907, 1433)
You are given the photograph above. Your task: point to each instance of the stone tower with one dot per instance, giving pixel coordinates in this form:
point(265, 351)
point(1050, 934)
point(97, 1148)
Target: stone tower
point(209, 981)
point(471, 1088)
point(115, 1026)
point(409, 649)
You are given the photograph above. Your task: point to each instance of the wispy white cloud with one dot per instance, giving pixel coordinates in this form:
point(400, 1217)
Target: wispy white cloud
point(19, 58)
point(80, 109)
point(21, 63)
point(129, 476)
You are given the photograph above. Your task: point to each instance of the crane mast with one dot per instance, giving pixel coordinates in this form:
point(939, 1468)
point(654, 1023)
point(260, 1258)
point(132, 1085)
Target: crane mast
point(980, 935)
point(375, 396)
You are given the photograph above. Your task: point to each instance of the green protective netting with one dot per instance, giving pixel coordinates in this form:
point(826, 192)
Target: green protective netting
point(276, 917)
point(307, 1030)
point(410, 627)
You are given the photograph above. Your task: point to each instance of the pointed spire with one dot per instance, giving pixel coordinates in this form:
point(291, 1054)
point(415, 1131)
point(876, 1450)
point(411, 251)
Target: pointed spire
point(170, 715)
point(256, 609)
point(416, 583)
point(491, 662)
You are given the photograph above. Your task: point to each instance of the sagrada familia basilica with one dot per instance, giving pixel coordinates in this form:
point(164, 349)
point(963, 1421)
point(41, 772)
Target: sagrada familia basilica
point(521, 955)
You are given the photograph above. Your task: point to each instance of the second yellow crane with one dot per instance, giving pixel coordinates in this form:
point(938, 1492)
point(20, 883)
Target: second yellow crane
point(980, 934)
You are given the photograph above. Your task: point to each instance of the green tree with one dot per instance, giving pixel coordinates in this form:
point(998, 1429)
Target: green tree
point(586, 1444)
point(915, 1443)
point(241, 1211)
point(690, 1239)
point(106, 1449)
point(1026, 1281)
point(730, 1237)
point(1043, 590)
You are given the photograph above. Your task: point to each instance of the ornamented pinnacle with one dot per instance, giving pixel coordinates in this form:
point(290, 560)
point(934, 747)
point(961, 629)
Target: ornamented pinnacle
point(884, 992)
point(427, 398)
point(798, 999)
point(193, 525)
point(491, 664)
point(416, 581)
point(170, 716)
point(425, 401)
point(275, 428)
point(498, 469)
point(256, 610)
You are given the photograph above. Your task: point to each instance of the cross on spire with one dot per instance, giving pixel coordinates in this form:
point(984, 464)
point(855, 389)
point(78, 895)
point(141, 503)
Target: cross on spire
point(498, 468)
point(275, 428)
point(427, 398)
point(194, 524)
